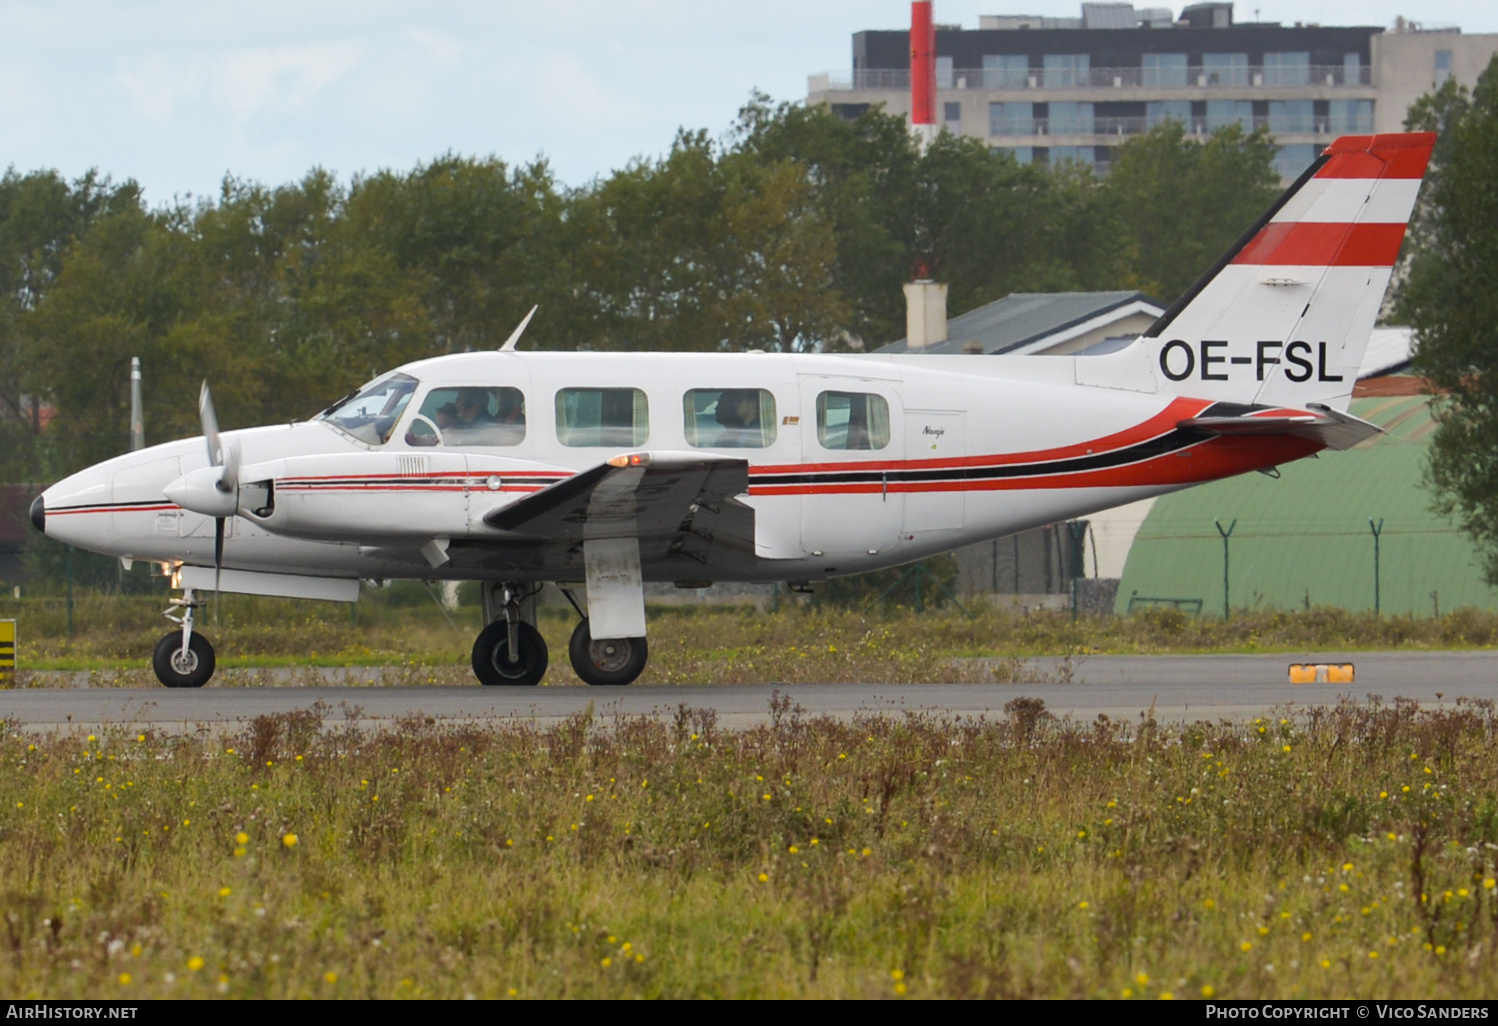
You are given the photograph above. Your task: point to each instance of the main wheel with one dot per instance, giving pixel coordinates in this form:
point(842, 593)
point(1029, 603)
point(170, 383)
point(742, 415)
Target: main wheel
point(612, 661)
point(491, 656)
point(178, 669)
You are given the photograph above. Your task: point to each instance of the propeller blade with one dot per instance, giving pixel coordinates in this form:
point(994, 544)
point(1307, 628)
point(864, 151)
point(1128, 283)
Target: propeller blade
point(228, 481)
point(210, 426)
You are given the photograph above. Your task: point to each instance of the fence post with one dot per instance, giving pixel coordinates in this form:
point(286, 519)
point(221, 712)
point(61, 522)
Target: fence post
point(1378, 530)
point(1226, 609)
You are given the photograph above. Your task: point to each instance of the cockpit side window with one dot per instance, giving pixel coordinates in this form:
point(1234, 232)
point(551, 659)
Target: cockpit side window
point(373, 411)
point(472, 415)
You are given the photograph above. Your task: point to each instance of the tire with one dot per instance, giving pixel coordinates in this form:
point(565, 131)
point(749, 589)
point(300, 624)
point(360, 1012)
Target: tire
point(491, 663)
point(175, 671)
point(610, 663)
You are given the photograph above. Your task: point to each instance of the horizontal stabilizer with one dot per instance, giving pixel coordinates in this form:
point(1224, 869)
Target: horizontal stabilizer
point(1332, 428)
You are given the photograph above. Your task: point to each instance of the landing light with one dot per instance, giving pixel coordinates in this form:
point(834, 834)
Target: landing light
point(633, 459)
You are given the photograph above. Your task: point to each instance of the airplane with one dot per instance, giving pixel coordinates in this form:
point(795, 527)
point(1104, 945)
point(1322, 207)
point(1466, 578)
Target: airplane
point(599, 472)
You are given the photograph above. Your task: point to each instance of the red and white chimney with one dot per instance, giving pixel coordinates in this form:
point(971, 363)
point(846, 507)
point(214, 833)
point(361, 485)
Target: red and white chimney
point(922, 72)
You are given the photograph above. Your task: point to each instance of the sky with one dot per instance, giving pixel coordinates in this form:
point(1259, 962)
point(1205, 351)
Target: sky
point(178, 94)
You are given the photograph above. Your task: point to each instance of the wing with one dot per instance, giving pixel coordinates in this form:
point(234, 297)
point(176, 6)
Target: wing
point(1332, 428)
point(681, 507)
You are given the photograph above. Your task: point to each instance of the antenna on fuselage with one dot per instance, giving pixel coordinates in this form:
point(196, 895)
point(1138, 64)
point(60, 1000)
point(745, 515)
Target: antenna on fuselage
point(137, 416)
point(509, 345)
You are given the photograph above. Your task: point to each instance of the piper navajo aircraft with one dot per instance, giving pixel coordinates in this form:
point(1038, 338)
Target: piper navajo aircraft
point(602, 471)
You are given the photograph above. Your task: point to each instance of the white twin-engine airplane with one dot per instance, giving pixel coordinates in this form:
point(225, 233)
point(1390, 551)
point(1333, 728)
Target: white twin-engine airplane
point(600, 471)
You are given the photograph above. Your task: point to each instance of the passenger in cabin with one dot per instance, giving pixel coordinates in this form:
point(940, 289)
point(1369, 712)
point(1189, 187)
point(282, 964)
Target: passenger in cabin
point(738, 413)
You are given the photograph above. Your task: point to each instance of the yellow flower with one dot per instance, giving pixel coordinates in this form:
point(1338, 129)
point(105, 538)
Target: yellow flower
point(1245, 946)
point(764, 878)
point(1142, 979)
point(1166, 995)
point(897, 975)
point(1490, 883)
point(1081, 904)
point(289, 840)
point(241, 838)
point(224, 892)
point(1208, 990)
point(606, 962)
point(124, 978)
point(330, 976)
point(793, 849)
point(901, 989)
point(1209, 904)
point(194, 963)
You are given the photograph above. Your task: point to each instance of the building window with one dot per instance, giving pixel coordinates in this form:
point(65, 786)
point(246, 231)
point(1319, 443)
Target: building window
point(1070, 119)
point(1164, 69)
point(1157, 111)
point(1011, 119)
point(944, 73)
point(1222, 113)
point(1287, 69)
point(1443, 66)
point(1225, 68)
point(1067, 70)
point(1006, 71)
point(1349, 116)
point(1291, 116)
point(1293, 160)
point(852, 420)
point(729, 418)
point(1075, 154)
point(1352, 69)
point(951, 114)
point(602, 416)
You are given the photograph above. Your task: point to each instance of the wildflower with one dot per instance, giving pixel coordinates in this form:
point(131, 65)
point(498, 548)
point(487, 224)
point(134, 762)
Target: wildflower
point(1287, 748)
point(901, 989)
point(764, 878)
point(1166, 995)
point(1142, 979)
point(897, 975)
point(606, 962)
point(1245, 946)
point(793, 850)
point(1490, 883)
point(330, 976)
point(194, 963)
point(241, 838)
point(1209, 904)
point(1263, 931)
point(1208, 990)
point(289, 840)
point(124, 978)
point(224, 892)
point(1305, 936)
point(1081, 904)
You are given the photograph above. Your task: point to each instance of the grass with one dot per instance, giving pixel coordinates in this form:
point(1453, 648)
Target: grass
point(1350, 854)
point(696, 644)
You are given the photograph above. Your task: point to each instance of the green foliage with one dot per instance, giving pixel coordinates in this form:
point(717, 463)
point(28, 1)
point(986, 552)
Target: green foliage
point(1449, 300)
point(927, 584)
point(792, 233)
point(1182, 204)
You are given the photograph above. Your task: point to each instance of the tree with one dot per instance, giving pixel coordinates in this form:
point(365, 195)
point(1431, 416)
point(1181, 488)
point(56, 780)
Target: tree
point(1449, 300)
point(1183, 203)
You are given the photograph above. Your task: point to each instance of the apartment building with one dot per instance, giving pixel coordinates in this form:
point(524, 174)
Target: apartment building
point(1054, 89)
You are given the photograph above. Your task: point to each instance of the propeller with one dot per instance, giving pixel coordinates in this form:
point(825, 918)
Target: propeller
point(227, 459)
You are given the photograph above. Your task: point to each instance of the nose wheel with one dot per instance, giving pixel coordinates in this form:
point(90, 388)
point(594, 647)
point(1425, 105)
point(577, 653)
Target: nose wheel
point(608, 661)
point(183, 659)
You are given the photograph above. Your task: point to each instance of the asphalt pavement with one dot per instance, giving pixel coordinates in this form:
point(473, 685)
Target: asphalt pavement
point(1177, 688)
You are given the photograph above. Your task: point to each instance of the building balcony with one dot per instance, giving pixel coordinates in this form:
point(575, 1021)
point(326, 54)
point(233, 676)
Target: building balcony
point(1255, 77)
point(1105, 131)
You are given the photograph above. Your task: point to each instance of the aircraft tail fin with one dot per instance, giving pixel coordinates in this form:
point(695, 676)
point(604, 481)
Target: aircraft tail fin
point(1283, 317)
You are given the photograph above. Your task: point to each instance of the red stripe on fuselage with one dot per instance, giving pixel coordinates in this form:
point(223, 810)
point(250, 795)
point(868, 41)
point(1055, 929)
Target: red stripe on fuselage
point(1318, 244)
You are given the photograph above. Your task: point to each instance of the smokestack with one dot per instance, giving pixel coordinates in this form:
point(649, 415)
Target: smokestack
point(925, 314)
point(922, 72)
point(137, 418)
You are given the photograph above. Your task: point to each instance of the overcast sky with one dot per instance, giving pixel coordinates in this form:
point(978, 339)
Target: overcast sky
point(176, 94)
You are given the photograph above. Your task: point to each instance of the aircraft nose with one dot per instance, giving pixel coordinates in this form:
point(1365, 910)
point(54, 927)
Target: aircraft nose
point(39, 514)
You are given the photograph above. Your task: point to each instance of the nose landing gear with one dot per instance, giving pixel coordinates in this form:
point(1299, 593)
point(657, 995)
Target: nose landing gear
point(183, 659)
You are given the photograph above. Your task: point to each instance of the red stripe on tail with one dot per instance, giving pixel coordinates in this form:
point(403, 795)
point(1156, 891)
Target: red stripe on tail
point(1316, 244)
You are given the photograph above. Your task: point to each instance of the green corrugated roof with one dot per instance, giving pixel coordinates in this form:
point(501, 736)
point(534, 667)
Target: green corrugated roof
point(1307, 533)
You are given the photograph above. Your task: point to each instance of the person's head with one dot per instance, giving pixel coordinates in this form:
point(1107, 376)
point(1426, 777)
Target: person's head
point(471, 403)
point(445, 415)
point(739, 408)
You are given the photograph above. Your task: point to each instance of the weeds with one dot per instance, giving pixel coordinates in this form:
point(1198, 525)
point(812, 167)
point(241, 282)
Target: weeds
point(1348, 853)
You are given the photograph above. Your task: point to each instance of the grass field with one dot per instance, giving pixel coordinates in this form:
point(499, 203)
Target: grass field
point(698, 643)
point(1351, 854)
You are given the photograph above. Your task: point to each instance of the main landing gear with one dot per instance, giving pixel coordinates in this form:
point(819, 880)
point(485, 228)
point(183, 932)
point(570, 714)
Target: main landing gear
point(183, 659)
point(511, 651)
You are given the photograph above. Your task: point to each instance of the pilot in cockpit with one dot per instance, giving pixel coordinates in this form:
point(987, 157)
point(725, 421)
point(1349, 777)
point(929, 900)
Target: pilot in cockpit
point(738, 413)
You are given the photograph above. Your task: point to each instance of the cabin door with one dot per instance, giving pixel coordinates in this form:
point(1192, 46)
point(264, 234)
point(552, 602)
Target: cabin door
point(852, 442)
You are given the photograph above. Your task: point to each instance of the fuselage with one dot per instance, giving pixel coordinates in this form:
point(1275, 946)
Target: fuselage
point(855, 462)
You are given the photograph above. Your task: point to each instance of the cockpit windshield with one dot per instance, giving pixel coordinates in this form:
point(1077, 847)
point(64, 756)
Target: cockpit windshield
point(372, 413)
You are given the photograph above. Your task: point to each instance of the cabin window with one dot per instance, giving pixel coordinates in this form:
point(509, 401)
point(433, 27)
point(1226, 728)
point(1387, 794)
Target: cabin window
point(602, 416)
point(472, 415)
point(729, 418)
point(370, 414)
point(852, 420)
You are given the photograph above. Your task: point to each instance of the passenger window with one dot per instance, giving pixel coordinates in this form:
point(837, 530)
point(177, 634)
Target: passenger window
point(602, 416)
point(729, 418)
point(469, 416)
point(852, 420)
